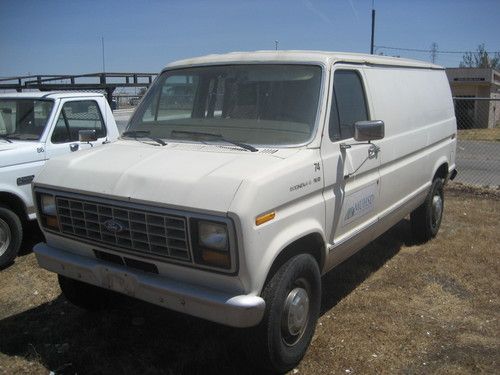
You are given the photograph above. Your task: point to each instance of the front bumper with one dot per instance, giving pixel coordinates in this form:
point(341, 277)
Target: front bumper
point(232, 310)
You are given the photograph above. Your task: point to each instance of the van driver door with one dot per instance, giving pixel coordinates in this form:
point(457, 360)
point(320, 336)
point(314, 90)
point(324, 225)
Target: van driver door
point(351, 170)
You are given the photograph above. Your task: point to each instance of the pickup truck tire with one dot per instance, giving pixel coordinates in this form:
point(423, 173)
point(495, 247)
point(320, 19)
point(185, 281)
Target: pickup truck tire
point(426, 219)
point(86, 296)
point(293, 300)
point(11, 235)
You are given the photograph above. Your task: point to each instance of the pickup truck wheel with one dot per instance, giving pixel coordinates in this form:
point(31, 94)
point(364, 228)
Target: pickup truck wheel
point(426, 219)
point(11, 235)
point(86, 296)
point(293, 299)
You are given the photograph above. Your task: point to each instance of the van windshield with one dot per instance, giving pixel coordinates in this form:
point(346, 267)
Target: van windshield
point(266, 104)
point(23, 119)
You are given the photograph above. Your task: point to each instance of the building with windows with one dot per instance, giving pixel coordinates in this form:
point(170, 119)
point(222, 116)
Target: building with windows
point(477, 96)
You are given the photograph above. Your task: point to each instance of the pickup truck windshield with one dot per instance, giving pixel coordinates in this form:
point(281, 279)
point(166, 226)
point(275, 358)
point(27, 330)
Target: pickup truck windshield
point(265, 104)
point(23, 119)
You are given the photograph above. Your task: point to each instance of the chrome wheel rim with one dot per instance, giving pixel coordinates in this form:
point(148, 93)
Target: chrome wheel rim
point(295, 315)
point(437, 209)
point(5, 237)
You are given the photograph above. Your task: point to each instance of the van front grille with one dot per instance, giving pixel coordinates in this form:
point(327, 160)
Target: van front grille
point(135, 230)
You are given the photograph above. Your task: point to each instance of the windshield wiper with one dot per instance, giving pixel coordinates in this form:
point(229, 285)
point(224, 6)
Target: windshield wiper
point(5, 137)
point(142, 134)
point(216, 136)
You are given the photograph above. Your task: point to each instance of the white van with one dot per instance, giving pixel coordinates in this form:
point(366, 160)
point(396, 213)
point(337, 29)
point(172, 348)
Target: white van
point(242, 178)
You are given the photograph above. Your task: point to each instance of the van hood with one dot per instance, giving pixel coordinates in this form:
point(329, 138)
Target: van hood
point(178, 175)
point(20, 152)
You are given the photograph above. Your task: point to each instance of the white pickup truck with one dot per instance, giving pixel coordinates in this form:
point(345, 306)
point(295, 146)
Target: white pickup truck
point(242, 178)
point(34, 127)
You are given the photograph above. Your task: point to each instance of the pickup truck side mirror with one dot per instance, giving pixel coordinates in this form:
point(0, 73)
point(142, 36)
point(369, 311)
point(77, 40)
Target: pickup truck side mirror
point(87, 135)
point(369, 130)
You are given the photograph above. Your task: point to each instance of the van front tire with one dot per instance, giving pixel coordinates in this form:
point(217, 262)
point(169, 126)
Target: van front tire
point(426, 219)
point(11, 236)
point(293, 300)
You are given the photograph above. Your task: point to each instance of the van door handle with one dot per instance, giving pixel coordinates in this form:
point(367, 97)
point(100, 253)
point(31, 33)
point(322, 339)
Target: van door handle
point(373, 151)
point(74, 147)
point(344, 146)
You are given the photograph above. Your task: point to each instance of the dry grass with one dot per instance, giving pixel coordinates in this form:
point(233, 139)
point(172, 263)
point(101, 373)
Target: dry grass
point(395, 307)
point(492, 134)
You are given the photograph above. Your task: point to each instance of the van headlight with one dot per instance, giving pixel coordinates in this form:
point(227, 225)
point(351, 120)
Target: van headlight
point(212, 235)
point(211, 243)
point(48, 211)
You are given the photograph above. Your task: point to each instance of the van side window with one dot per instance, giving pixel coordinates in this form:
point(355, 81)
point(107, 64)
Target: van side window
point(348, 104)
point(76, 116)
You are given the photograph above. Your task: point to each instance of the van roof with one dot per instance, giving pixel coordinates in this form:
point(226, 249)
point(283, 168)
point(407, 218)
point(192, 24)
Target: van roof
point(49, 94)
point(321, 57)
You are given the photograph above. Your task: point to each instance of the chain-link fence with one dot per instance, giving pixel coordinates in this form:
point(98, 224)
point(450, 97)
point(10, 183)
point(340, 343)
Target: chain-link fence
point(478, 147)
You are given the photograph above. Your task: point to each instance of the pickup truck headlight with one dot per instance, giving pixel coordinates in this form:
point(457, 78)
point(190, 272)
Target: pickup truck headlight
point(48, 214)
point(211, 243)
point(48, 204)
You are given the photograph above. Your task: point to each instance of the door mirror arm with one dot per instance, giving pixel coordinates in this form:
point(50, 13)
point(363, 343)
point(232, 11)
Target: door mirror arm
point(345, 146)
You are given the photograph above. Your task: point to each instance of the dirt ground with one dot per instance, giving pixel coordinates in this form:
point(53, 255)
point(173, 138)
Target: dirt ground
point(492, 134)
point(394, 307)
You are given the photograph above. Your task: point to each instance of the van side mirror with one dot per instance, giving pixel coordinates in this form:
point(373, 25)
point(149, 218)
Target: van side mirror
point(369, 130)
point(87, 136)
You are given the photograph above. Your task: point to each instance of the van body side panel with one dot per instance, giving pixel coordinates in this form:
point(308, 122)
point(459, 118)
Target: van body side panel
point(415, 105)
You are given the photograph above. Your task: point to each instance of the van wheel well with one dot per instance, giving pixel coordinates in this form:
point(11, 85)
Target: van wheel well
point(312, 244)
point(15, 203)
point(442, 172)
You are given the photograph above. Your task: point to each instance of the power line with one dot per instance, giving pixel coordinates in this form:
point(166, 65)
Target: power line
point(430, 50)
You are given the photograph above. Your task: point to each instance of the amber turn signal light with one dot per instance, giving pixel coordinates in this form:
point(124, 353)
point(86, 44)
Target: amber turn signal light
point(51, 222)
point(264, 218)
point(216, 258)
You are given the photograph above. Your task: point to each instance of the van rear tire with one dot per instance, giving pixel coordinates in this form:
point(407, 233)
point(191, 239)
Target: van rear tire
point(426, 219)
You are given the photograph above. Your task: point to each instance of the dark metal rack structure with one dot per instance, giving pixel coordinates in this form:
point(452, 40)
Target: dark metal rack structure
point(106, 82)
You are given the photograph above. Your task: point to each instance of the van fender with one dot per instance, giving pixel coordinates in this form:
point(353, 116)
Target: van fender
point(443, 160)
point(287, 235)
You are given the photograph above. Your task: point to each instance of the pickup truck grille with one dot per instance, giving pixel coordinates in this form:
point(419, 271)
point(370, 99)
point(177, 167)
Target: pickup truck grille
point(134, 230)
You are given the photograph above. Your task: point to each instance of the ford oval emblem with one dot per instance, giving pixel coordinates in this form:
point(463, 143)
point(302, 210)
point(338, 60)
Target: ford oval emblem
point(113, 226)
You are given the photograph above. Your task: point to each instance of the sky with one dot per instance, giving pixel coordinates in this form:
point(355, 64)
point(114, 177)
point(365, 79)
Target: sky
point(64, 37)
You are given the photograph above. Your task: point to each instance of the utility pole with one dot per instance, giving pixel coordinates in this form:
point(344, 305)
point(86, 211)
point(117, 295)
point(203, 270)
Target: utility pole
point(373, 27)
point(109, 90)
point(434, 50)
point(276, 45)
point(103, 63)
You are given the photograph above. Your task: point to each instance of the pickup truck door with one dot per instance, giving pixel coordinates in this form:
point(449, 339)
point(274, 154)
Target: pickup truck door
point(75, 115)
point(351, 171)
